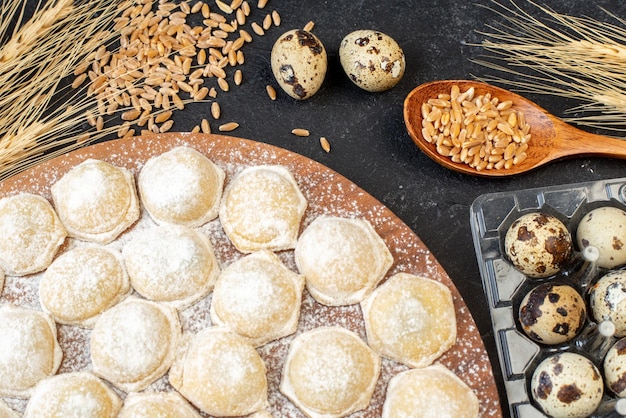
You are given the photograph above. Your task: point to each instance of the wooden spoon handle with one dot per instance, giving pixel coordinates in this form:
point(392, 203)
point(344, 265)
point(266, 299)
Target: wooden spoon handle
point(570, 141)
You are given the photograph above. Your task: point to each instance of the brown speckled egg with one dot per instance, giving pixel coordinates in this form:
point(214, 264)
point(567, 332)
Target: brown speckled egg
point(299, 63)
point(605, 229)
point(615, 368)
point(567, 385)
point(538, 244)
point(372, 60)
point(607, 300)
point(552, 313)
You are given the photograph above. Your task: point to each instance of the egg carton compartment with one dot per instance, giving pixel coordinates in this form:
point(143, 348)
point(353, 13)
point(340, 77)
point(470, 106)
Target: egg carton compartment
point(491, 215)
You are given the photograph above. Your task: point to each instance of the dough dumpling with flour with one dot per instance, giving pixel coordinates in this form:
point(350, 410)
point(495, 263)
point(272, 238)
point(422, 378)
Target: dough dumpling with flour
point(410, 319)
point(31, 232)
point(343, 259)
point(262, 209)
point(258, 297)
point(96, 201)
point(82, 283)
point(29, 352)
point(133, 343)
point(330, 372)
point(181, 186)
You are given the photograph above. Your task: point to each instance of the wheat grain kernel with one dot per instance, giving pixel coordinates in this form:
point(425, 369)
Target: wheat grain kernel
point(238, 77)
point(166, 126)
point(267, 22)
point(227, 127)
point(300, 132)
point(224, 7)
point(256, 28)
point(309, 26)
point(215, 110)
point(223, 84)
point(275, 18)
point(325, 144)
point(271, 92)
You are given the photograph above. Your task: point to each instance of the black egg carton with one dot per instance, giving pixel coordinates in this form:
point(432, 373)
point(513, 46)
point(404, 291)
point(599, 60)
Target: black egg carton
point(504, 286)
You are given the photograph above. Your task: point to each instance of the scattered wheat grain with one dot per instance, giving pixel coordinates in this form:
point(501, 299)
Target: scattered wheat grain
point(325, 144)
point(300, 132)
point(227, 127)
point(309, 26)
point(215, 110)
point(271, 92)
point(257, 29)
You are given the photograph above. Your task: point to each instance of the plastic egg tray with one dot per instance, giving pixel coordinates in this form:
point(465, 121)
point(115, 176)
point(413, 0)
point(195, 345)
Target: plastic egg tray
point(504, 286)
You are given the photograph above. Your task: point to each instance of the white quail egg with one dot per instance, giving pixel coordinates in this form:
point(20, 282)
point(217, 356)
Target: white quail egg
point(538, 244)
point(607, 300)
point(615, 368)
point(605, 229)
point(372, 60)
point(299, 63)
point(567, 385)
point(552, 313)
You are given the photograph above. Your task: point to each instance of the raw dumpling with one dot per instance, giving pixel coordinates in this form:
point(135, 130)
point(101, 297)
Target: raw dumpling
point(133, 343)
point(342, 259)
point(262, 209)
point(171, 263)
point(29, 351)
point(432, 391)
point(181, 186)
point(410, 319)
point(31, 234)
point(258, 297)
point(330, 372)
point(82, 283)
point(96, 201)
point(157, 404)
point(76, 394)
point(231, 380)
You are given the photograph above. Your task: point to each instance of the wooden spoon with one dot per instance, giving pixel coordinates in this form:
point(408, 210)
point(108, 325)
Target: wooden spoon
point(551, 138)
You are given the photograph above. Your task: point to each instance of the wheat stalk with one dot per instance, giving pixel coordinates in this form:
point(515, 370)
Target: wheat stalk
point(573, 57)
point(40, 116)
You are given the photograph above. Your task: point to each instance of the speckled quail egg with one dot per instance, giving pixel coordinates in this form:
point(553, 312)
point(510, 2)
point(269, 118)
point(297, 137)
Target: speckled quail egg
point(552, 313)
point(615, 368)
point(538, 244)
point(299, 63)
point(372, 60)
point(567, 385)
point(605, 229)
point(607, 300)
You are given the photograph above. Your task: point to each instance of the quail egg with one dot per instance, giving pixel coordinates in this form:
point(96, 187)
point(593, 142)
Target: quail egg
point(552, 313)
point(615, 368)
point(605, 229)
point(372, 60)
point(299, 63)
point(607, 300)
point(567, 385)
point(538, 244)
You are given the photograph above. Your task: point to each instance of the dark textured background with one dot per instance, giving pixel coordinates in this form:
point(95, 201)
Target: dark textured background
point(370, 145)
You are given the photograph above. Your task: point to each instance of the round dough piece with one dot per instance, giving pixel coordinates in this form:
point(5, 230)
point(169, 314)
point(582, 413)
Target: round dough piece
point(262, 209)
point(258, 297)
point(171, 263)
point(31, 234)
point(231, 380)
point(96, 201)
point(181, 186)
point(76, 394)
point(330, 372)
point(429, 392)
point(133, 344)
point(29, 351)
point(82, 283)
point(410, 319)
point(157, 404)
point(342, 259)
